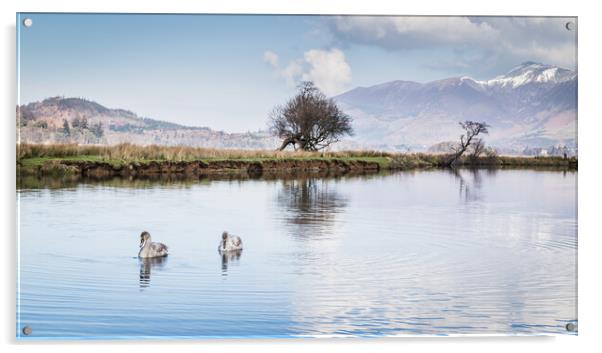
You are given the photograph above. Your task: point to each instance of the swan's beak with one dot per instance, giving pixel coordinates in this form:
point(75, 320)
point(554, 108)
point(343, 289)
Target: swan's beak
point(142, 242)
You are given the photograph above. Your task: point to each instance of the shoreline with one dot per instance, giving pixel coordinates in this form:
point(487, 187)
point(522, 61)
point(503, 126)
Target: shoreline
point(190, 169)
point(91, 167)
point(134, 161)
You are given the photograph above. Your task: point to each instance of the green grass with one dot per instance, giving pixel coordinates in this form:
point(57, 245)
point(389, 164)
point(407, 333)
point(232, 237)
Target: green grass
point(38, 161)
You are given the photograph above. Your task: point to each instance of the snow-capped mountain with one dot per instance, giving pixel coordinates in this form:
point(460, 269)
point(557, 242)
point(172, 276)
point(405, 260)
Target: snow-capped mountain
point(532, 105)
point(530, 72)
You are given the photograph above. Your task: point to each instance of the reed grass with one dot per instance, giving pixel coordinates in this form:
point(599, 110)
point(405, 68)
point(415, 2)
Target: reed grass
point(128, 151)
point(31, 155)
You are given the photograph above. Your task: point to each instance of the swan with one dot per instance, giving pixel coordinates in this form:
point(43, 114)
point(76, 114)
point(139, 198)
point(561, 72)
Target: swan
point(149, 249)
point(230, 242)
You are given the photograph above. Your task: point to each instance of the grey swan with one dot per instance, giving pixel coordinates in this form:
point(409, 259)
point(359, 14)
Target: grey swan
point(148, 249)
point(230, 242)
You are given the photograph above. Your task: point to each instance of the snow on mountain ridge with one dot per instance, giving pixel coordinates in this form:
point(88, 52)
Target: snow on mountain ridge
point(529, 72)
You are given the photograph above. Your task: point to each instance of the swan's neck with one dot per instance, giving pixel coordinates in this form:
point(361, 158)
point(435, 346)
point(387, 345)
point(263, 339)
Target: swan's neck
point(145, 247)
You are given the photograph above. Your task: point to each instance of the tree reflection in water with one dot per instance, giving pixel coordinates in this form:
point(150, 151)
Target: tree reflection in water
point(470, 188)
point(310, 206)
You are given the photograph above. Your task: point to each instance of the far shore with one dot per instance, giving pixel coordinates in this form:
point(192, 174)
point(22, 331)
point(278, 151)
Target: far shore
point(128, 160)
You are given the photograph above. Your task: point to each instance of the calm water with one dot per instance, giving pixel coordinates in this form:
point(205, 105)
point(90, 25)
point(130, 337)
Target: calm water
point(423, 252)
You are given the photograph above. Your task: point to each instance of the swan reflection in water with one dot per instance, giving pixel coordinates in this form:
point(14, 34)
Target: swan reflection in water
point(228, 258)
point(146, 267)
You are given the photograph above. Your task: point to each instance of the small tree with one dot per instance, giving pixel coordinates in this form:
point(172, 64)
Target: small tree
point(97, 130)
point(309, 120)
point(472, 129)
point(478, 147)
point(491, 155)
point(83, 123)
point(66, 129)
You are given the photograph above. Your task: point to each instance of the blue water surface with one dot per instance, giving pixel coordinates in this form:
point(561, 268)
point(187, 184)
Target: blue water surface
point(410, 253)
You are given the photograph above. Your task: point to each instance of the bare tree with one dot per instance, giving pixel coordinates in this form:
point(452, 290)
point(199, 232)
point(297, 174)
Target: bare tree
point(309, 120)
point(472, 129)
point(478, 147)
point(491, 155)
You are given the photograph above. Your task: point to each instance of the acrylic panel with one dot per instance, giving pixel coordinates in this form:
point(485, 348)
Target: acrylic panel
point(195, 176)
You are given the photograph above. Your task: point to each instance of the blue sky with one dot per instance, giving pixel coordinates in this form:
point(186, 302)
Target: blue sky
point(228, 71)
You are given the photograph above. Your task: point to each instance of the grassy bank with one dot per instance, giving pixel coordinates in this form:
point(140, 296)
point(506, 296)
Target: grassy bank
point(173, 153)
point(127, 159)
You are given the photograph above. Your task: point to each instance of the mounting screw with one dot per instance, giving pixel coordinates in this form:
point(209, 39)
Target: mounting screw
point(569, 26)
point(27, 22)
point(570, 327)
point(26, 330)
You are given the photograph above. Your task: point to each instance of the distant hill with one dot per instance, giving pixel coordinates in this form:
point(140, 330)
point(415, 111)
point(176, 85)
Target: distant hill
point(530, 109)
point(92, 123)
point(533, 105)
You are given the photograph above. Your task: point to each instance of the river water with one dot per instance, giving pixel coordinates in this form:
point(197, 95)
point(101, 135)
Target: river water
point(409, 253)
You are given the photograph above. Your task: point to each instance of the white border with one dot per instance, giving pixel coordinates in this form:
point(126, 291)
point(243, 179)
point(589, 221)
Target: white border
point(590, 130)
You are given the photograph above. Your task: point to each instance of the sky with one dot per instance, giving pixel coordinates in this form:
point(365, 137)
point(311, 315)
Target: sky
point(227, 72)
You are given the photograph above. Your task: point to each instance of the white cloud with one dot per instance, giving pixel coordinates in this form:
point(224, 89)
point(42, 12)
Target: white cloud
point(412, 32)
point(328, 69)
point(271, 58)
point(292, 72)
point(507, 39)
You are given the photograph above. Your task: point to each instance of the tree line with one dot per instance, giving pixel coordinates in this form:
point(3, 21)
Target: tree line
point(82, 123)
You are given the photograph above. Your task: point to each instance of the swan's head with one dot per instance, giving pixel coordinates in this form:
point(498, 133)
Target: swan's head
point(224, 238)
point(144, 237)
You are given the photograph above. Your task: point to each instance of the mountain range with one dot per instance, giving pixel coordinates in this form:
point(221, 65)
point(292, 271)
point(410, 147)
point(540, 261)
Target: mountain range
point(534, 105)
